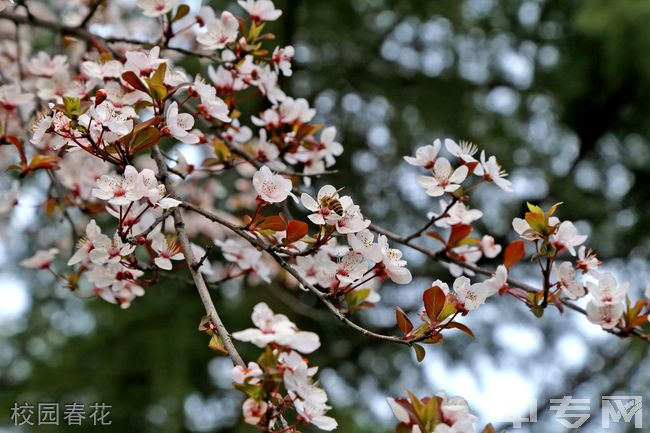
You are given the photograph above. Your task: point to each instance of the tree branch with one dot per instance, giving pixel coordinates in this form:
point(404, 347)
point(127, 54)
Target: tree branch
point(199, 282)
point(441, 256)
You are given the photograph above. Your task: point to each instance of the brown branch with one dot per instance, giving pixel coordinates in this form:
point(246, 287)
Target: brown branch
point(81, 33)
point(91, 12)
point(199, 282)
point(441, 256)
point(323, 297)
point(417, 233)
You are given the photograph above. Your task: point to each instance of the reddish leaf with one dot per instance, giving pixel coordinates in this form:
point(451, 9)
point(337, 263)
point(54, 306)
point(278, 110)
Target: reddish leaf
point(273, 222)
point(458, 233)
point(403, 321)
point(434, 302)
point(461, 327)
point(436, 236)
point(135, 81)
point(514, 253)
point(296, 230)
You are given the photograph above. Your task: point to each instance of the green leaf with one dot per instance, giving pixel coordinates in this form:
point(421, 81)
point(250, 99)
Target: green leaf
point(356, 297)
point(419, 352)
point(217, 345)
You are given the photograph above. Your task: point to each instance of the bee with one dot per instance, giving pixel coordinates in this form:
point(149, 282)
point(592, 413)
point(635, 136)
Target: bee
point(332, 203)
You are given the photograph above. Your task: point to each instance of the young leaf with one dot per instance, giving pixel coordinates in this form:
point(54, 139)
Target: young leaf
point(458, 233)
point(296, 230)
point(434, 301)
point(217, 345)
point(403, 321)
point(273, 222)
point(181, 12)
point(489, 429)
point(514, 253)
point(461, 327)
point(419, 352)
point(135, 81)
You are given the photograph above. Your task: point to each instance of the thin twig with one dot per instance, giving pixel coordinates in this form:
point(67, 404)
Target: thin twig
point(199, 282)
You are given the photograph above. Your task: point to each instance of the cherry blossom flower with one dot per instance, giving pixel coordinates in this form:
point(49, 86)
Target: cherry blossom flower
point(143, 63)
point(41, 260)
point(352, 220)
point(254, 411)
point(465, 152)
point(363, 243)
point(494, 173)
point(470, 295)
point(458, 213)
point(156, 193)
point(44, 65)
point(443, 180)
point(179, 124)
point(526, 232)
point(316, 269)
point(106, 123)
point(322, 206)
point(260, 10)
point(278, 329)
point(272, 188)
point(587, 260)
point(606, 289)
point(328, 148)
point(567, 237)
point(400, 413)
point(120, 190)
point(111, 252)
point(498, 282)
point(282, 58)
point(465, 253)
point(210, 102)
point(393, 263)
point(102, 71)
point(250, 374)
point(314, 414)
point(455, 409)
point(219, 32)
point(166, 249)
point(116, 284)
point(490, 248)
point(93, 238)
point(12, 97)
point(350, 268)
point(155, 8)
point(246, 256)
point(566, 276)
point(425, 156)
point(605, 315)
point(295, 110)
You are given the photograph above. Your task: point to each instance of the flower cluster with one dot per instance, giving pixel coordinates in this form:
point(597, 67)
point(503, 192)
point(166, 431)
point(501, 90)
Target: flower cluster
point(438, 414)
point(281, 381)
